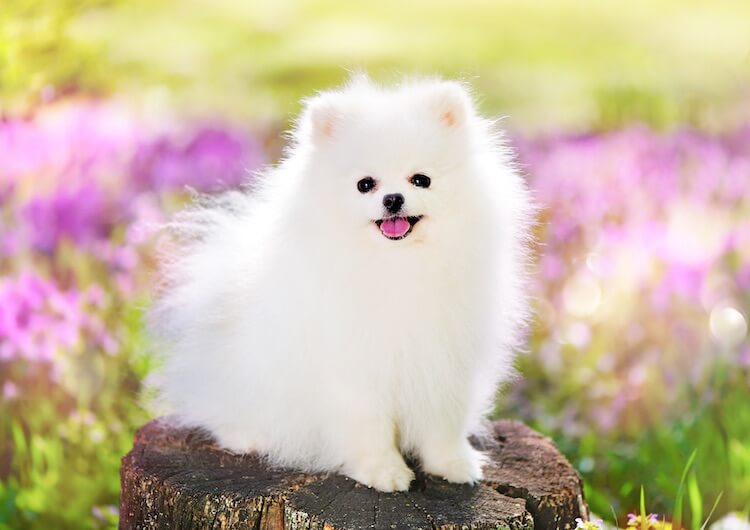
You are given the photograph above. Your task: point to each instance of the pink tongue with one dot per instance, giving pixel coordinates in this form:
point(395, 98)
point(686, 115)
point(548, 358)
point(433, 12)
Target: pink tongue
point(394, 227)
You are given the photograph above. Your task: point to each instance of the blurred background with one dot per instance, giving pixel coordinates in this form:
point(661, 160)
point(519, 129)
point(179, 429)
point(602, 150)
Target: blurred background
point(632, 125)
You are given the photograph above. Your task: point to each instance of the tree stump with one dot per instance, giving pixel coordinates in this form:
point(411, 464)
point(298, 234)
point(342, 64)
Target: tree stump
point(178, 478)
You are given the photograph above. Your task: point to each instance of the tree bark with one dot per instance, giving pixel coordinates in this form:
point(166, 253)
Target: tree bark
point(178, 478)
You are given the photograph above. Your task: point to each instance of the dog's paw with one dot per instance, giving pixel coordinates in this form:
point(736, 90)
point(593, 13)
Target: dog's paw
point(464, 467)
point(390, 474)
point(234, 442)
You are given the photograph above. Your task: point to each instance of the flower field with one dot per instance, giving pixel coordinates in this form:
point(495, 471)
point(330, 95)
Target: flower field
point(638, 354)
point(631, 124)
point(80, 200)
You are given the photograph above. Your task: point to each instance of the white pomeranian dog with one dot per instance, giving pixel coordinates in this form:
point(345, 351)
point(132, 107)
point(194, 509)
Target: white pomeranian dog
point(363, 302)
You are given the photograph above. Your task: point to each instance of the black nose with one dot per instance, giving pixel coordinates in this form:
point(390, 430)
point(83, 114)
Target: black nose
point(393, 202)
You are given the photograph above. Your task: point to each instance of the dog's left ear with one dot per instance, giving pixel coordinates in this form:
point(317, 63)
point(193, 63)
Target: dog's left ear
point(321, 118)
point(451, 103)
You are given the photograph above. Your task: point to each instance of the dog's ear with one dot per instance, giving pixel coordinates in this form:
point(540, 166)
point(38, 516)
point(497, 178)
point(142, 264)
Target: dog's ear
point(321, 118)
point(325, 112)
point(450, 102)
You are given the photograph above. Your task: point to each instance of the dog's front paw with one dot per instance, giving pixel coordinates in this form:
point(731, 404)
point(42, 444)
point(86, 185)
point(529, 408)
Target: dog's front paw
point(234, 439)
point(388, 474)
point(464, 466)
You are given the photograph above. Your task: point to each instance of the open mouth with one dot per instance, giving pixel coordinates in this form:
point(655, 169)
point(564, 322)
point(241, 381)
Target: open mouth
point(397, 227)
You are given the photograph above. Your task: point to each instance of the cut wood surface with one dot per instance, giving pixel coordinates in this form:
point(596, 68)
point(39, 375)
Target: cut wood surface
point(178, 478)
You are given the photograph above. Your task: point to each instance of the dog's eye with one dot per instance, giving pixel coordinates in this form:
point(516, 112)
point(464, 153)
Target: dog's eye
point(366, 184)
point(420, 181)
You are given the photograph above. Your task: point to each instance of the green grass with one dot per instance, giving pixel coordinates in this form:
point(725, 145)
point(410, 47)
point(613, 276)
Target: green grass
point(689, 462)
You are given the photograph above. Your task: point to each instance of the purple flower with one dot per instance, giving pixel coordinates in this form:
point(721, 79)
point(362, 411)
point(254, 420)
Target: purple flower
point(82, 215)
point(667, 218)
point(79, 140)
point(10, 390)
point(212, 159)
point(639, 521)
point(39, 319)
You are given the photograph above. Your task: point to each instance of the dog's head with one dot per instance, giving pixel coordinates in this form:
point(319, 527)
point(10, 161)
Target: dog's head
point(392, 163)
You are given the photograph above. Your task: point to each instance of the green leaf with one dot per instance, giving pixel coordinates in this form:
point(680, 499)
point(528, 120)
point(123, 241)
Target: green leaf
point(696, 503)
point(677, 515)
point(716, 503)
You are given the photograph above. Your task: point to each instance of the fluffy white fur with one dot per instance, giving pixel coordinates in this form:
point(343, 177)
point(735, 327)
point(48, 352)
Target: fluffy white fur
point(294, 328)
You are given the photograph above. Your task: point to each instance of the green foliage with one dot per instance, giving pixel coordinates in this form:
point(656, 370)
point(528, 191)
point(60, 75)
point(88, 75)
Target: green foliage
point(63, 434)
point(712, 440)
point(677, 516)
point(546, 64)
point(38, 55)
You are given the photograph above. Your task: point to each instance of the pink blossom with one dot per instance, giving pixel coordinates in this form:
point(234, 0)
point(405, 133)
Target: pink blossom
point(10, 390)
